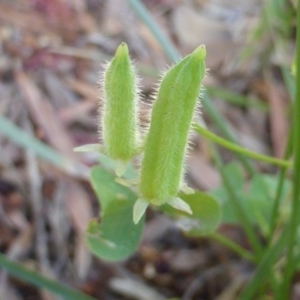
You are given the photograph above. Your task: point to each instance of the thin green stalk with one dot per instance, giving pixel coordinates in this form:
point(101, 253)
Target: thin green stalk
point(276, 205)
point(234, 247)
point(18, 270)
point(224, 127)
point(25, 140)
point(245, 222)
point(238, 149)
point(295, 211)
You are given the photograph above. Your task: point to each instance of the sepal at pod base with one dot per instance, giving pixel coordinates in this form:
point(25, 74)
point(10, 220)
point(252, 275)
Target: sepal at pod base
point(165, 147)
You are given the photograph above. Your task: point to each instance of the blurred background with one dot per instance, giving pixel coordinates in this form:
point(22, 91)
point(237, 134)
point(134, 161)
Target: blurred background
point(51, 55)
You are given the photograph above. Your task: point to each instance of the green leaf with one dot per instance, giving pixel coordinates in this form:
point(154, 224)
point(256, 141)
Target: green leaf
point(116, 237)
point(257, 199)
point(261, 197)
point(206, 215)
point(234, 172)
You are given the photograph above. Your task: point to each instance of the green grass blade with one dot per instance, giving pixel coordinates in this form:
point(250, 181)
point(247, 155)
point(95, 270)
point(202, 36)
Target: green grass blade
point(235, 98)
point(146, 17)
point(25, 140)
point(279, 190)
point(18, 270)
point(289, 81)
point(295, 211)
point(262, 274)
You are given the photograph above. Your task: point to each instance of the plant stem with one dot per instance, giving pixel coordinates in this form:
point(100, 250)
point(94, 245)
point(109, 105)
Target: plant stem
point(295, 209)
point(238, 149)
point(39, 280)
point(233, 246)
point(225, 128)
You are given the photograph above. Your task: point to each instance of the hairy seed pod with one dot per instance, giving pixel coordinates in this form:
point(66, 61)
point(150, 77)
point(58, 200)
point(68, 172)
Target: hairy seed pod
point(119, 116)
point(167, 140)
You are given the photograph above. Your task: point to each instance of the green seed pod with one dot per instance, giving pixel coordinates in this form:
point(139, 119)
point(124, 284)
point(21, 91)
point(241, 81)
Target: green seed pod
point(119, 112)
point(167, 140)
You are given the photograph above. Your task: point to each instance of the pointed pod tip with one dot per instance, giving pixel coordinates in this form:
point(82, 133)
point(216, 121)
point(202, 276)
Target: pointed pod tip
point(122, 50)
point(200, 53)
